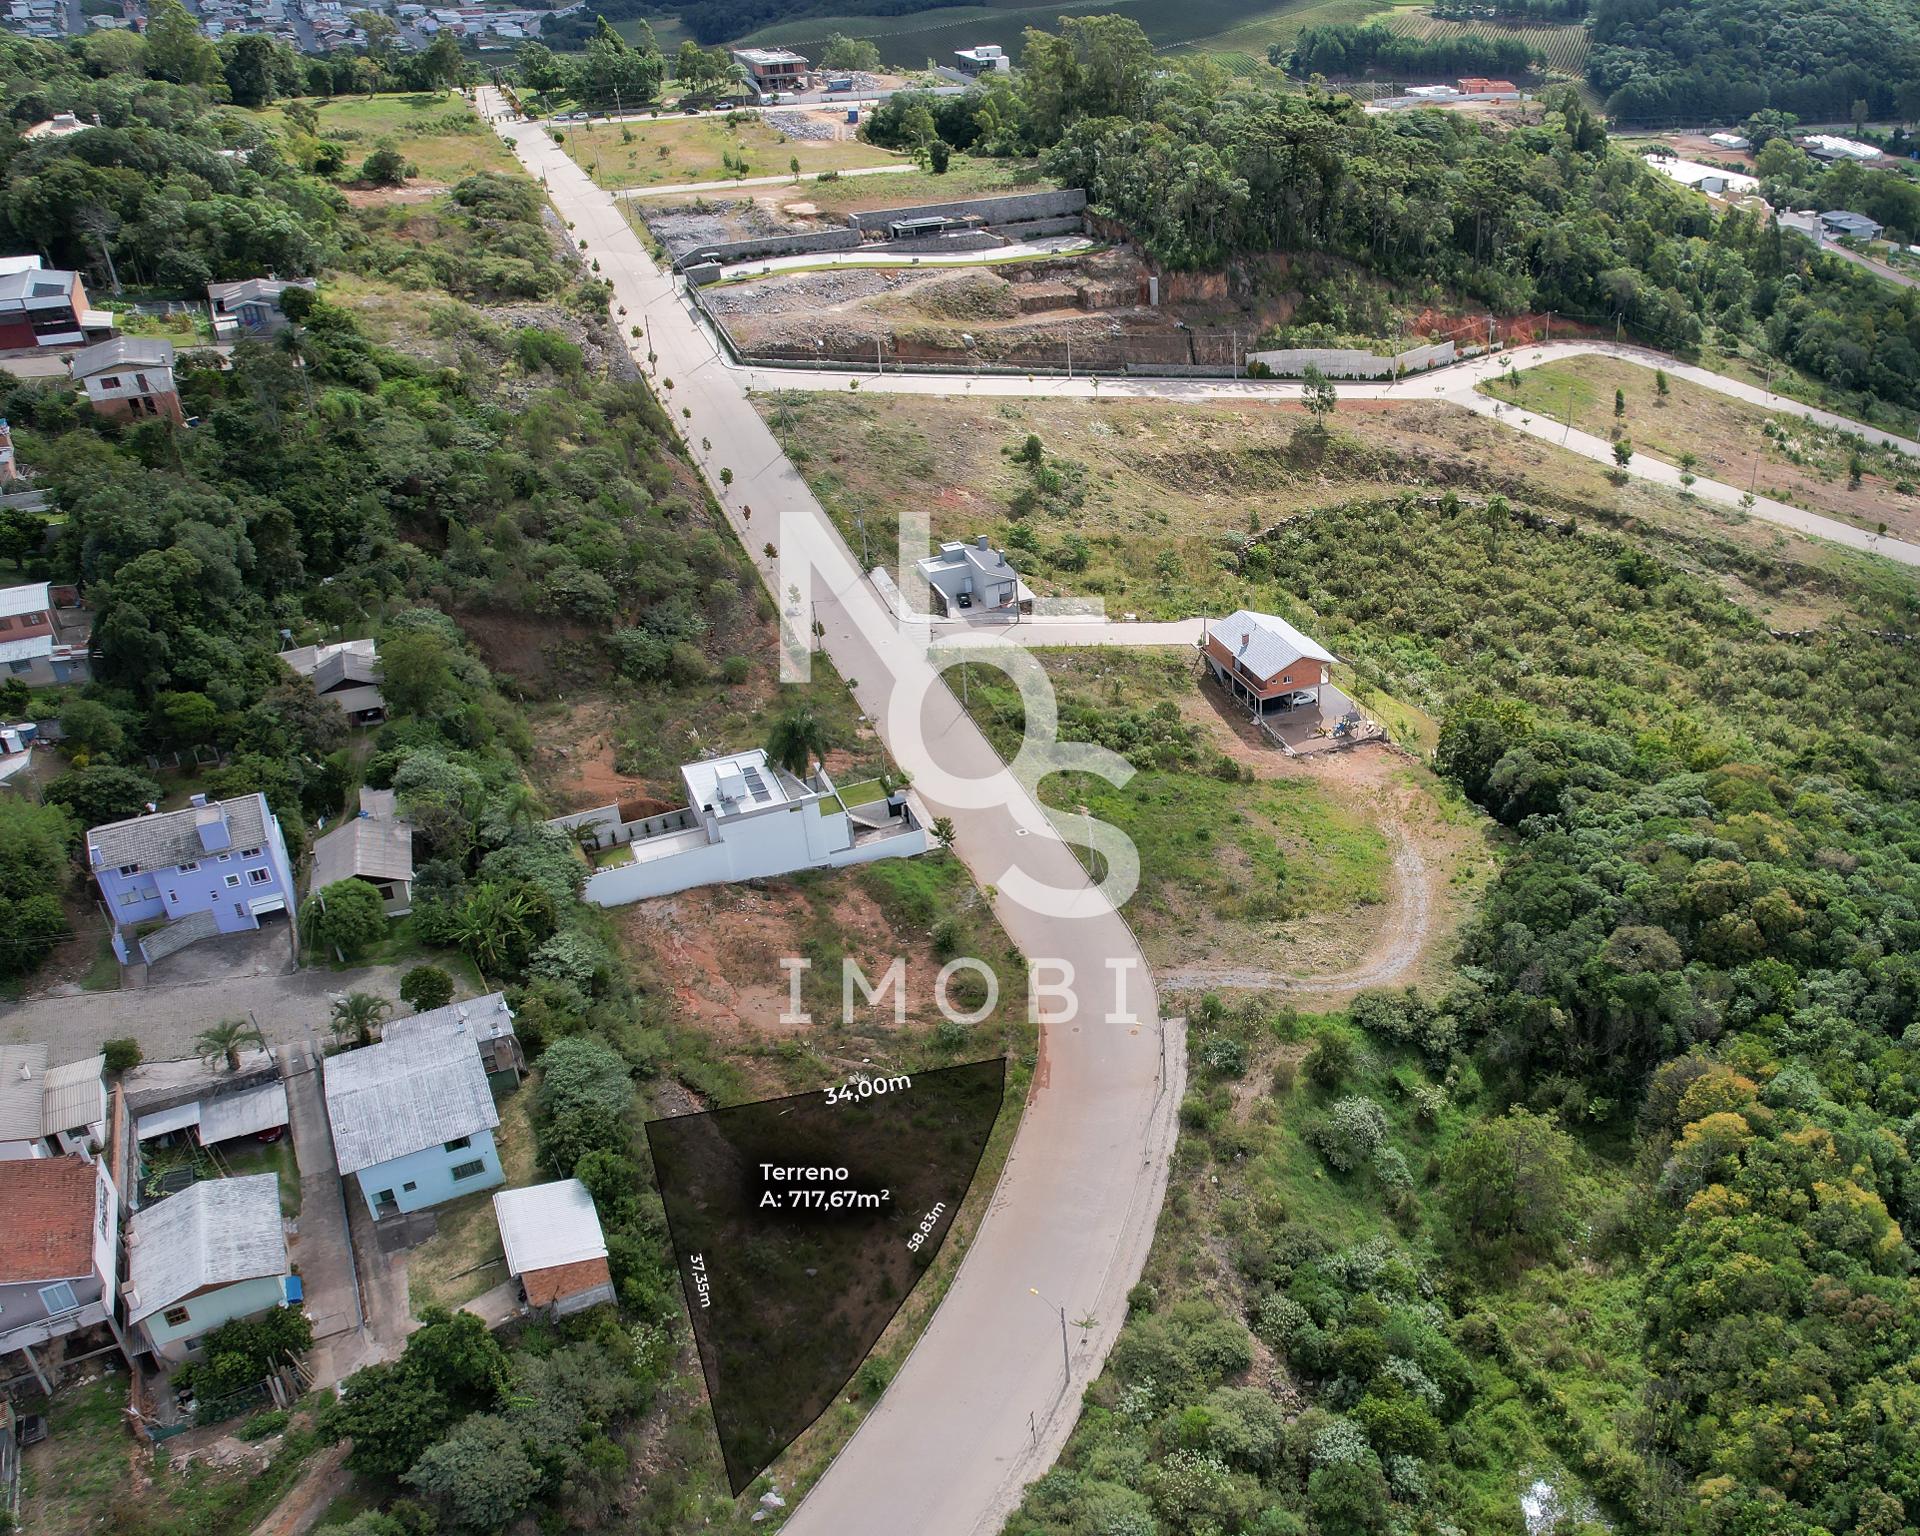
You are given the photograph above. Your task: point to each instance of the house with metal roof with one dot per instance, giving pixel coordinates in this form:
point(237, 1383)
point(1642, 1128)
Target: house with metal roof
point(550, 1234)
point(59, 1253)
point(1840, 223)
point(214, 866)
point(746, 818)
point(46, 1111)
point(488, 1020)
point(129, 378)
point(210, 1104)
point(375, 846)
point(413, 1118)
point(30, 645)
point(212, 1253)
point(1264, 662)
point(346, 672)
point(251, 306)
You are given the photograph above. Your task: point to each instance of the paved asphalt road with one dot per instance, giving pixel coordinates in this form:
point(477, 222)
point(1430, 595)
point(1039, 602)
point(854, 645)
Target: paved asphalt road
point(1457, 385)
point(983, 1404)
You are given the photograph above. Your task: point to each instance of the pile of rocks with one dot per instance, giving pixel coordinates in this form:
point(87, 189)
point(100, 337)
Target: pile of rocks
point(802, 125)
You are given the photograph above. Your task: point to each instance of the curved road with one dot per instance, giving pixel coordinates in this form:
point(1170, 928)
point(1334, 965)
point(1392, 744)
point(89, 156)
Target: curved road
point(983, 1403)
point(1457, 384)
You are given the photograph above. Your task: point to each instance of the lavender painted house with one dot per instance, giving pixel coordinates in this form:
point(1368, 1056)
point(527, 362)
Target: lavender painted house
point(217, 866)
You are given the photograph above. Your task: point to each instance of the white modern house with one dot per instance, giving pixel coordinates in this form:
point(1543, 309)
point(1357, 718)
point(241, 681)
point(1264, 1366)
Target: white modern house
point(1710, 179)
point(745, 819)
point(974, 581)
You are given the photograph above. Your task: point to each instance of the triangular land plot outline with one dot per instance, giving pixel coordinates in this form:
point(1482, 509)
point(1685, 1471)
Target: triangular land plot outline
point(801, 1224)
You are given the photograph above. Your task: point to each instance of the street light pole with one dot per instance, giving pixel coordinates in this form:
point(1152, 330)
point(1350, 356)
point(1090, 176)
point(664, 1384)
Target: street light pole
point(1066, 1357)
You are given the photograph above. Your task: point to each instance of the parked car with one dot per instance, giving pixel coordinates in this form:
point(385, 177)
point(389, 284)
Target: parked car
point(1297, 700)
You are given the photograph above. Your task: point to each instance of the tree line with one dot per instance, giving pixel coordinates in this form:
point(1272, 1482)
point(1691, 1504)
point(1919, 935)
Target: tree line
point(1716, 61)
point(1340, 52)
point(1204, 170)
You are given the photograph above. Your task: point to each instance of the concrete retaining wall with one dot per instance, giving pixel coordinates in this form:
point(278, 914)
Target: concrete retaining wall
point(965, 240)
point(1351, 363)
point(1039, 229)
point(1016, 208)
point(702, 272)
point(804, 244)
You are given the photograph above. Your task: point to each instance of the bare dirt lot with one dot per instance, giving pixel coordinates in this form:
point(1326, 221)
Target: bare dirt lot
point(1015, 313)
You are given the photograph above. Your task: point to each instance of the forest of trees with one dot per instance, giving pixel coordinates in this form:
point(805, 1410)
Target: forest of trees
point(1203, 170)
point(1716, 61)
point(1341, 52)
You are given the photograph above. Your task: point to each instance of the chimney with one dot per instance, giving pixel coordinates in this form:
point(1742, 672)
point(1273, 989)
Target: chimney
point(982, 542)
point(1246, 639)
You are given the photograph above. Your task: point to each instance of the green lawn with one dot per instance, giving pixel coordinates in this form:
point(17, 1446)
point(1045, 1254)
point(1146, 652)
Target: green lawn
point(91, 1471)
point(1216, 852)
point(441, 135)
point(672, 150)
point(275, 1157)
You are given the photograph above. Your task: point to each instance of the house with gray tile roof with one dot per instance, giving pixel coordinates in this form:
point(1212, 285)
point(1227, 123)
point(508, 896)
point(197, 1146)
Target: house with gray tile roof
point(413, 1118)
point(213, 866)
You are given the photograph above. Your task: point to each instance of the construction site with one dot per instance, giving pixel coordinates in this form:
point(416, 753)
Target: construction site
point(1021, 281)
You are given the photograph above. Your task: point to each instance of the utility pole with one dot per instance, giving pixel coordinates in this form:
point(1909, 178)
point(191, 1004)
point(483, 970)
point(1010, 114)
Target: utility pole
point(1069, 357)
point(1066, 1356)
point(878, 365)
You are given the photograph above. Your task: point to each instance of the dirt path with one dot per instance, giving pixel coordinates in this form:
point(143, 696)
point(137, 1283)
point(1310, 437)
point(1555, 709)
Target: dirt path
point(1396, 951)
point(324, 1479)
point(1430, 853)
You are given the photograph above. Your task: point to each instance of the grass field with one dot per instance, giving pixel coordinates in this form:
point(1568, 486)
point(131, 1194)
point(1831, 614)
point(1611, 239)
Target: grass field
point(1247, 871)
point(452, 1267)
point(439, 134)
point(672, 150)
point(1744, 445)
point(1231, 26)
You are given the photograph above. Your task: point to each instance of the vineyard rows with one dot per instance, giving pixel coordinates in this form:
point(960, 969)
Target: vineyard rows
point(1563, 48)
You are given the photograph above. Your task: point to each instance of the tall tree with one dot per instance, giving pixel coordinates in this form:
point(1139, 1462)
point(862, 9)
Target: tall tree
point(175, 49)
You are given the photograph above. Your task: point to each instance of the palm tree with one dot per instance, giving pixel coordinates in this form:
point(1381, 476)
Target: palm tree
point(357, 1015)
point(796, 739)
point(225, 1039)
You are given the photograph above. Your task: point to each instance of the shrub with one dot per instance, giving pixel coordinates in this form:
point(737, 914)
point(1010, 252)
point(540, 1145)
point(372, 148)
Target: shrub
point(1351, 1132)
point(123, 1055)
point(349, 917)
point(1330, 1062)
point(426, 987)
point(269, 1422)
point(1224, 1055)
